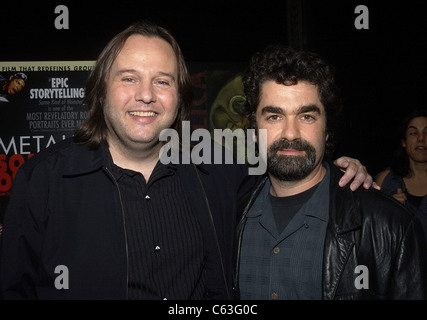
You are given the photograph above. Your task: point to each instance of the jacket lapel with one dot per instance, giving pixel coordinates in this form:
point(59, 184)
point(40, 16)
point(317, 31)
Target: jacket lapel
point(344, 220)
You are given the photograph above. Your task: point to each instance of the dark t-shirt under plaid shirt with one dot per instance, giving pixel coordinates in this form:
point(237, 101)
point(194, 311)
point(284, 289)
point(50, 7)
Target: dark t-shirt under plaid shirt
point(287, 264)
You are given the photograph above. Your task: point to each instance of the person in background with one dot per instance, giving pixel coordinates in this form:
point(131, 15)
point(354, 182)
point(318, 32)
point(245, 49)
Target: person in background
point(99, 216)
point(300, 235)
point(406, 179)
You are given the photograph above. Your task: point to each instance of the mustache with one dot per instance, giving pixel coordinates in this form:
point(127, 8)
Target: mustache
point(297, 144)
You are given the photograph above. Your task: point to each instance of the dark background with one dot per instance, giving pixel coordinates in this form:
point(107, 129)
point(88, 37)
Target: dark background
point(381, 71)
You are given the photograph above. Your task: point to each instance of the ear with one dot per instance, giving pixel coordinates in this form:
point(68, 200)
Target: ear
point(403, 142)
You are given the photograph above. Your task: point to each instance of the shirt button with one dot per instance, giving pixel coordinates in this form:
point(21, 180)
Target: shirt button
point(274, 296)
point(147, 197)
point(157, 248)
point(276, 250)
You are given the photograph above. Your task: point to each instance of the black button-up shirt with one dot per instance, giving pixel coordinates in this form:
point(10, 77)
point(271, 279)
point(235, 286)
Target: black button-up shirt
point(164, 240)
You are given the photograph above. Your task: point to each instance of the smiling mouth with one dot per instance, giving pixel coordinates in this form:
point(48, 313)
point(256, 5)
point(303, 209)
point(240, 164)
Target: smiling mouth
point(143, 113)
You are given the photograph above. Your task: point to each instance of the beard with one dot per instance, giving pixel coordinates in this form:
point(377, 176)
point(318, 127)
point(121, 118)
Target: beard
point(290, 168)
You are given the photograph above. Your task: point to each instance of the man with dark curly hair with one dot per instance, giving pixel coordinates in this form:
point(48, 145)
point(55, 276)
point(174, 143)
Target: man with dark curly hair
point(301, 236)
point(99, 216)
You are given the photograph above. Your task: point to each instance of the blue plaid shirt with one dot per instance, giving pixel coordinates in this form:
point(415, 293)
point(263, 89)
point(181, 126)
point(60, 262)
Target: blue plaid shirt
point(286, 265)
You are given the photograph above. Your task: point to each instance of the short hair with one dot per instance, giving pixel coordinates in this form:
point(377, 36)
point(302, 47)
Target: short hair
point(94, 129)
point(288, 66)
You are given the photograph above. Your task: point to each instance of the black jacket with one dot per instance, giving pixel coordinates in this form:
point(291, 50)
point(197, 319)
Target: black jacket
point(65, 210)
point(366, 227)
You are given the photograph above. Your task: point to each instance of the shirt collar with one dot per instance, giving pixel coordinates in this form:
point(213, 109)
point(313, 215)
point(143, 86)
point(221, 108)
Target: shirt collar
point(312, 208)
point(159, 170)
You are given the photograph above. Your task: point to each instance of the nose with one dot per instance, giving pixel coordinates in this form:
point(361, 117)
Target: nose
point(145, 93)
point(421, 135)
point(290, 129)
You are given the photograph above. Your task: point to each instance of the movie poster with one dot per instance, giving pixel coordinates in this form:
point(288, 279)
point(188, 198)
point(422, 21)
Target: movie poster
point(226, 103)
point(41, 102)
point(219, 101)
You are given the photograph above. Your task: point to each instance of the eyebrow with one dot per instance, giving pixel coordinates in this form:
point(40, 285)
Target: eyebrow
point(302, 109)
point(160, 73)
point(271, 109)
point(415, 128)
